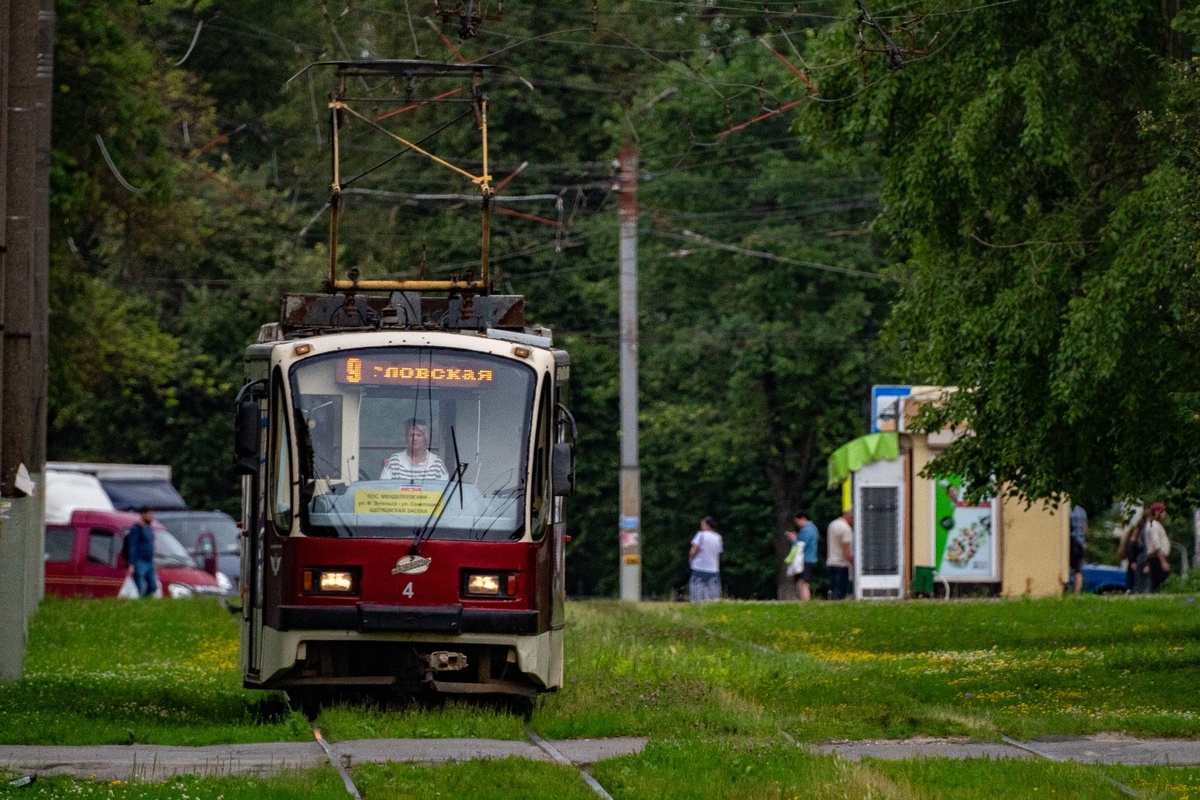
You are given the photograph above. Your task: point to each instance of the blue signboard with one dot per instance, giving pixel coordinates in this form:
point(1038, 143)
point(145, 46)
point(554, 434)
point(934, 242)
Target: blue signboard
point(886, 407)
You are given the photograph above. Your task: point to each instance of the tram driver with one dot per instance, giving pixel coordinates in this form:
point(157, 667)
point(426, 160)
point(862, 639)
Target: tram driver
point(414, 463)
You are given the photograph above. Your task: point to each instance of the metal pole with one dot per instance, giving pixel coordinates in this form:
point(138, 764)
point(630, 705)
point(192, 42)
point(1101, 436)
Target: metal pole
point(1196, 535)
point(631, 499)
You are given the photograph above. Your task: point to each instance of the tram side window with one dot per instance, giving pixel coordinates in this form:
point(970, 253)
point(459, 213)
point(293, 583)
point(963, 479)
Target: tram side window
point(540, 485)
point(281, 466)
point(323, 425)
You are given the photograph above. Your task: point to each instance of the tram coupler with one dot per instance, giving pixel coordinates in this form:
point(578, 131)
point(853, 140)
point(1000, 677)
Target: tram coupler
point(445, 661)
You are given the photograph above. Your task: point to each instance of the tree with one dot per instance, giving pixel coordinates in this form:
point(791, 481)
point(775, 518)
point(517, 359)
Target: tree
point(759, 304)
point(1037, 164)
point(171, 256)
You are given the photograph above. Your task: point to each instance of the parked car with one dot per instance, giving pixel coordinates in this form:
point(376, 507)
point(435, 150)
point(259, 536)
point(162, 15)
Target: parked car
point(83, 559)
point(189, 528)
point(1103, 578)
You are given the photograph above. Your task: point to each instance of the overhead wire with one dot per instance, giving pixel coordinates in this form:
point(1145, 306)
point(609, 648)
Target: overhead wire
point(750, 9)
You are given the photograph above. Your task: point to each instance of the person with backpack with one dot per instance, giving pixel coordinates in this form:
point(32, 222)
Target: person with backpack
point(138, 550)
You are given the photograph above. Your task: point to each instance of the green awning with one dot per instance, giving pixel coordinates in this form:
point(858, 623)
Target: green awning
point(856, 454)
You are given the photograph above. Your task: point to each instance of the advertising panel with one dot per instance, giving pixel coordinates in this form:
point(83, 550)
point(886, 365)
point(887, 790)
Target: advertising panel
point(964, 535)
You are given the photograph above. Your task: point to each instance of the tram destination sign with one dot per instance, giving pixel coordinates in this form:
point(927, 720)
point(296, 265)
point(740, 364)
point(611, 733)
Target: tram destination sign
point(375, 371)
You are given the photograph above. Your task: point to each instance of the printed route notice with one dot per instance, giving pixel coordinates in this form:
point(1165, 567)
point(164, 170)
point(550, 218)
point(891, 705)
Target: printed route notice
point(397, 501)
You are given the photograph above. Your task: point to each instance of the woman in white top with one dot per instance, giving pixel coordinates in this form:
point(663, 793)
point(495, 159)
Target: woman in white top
point(415, 463)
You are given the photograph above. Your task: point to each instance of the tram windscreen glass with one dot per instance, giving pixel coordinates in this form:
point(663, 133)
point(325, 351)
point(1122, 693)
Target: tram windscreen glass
point(396, 440)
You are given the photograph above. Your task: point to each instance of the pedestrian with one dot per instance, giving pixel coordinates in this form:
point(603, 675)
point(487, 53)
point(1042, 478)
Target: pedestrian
point(1079, 526)
point(704, 557)
point(806, 533)
point(138, 550)
point(839, 558)
point(1132, 551)
point(1158, 547)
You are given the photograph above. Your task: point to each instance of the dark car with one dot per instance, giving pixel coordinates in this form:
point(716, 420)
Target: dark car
point(189, 528)
point(1103, 579)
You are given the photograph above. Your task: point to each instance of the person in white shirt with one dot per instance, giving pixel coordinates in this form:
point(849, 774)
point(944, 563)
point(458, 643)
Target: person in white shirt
point(839, 557)
point(705, 560)
point(415, 463)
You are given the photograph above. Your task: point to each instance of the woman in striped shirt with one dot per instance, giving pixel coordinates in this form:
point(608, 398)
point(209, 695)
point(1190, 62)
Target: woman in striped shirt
point(415, 463)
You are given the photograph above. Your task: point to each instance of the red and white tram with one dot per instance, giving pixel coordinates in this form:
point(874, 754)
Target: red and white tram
point(381, 557)
point(450, 579)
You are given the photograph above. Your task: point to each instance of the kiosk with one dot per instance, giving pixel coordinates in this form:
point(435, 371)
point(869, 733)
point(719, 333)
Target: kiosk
point(910, 527)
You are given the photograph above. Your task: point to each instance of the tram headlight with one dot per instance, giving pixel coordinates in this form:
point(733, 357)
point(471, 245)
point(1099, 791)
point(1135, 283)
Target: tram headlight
point(489, 584)
point(324, 580)
point(483, 584)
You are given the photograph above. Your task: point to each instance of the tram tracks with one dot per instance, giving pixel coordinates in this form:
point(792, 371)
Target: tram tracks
point(552, 751)
point(341, 762)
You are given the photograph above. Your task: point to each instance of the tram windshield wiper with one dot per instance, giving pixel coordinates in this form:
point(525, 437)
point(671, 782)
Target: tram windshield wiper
point(427, 529)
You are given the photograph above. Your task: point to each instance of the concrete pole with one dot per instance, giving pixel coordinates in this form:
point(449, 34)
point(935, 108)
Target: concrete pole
point(39, 374)
point(23, 356)
point(18, 157)
point(631, 492)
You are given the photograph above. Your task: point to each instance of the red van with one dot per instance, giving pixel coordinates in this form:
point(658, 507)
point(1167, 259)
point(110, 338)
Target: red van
point(83, 559)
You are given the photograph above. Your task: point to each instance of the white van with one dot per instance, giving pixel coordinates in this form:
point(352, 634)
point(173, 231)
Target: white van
point(68, 492)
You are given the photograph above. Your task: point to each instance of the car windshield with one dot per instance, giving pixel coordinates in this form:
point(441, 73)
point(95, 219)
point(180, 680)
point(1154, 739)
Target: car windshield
point(168, 552)
point(394, 441)
point(187, 526)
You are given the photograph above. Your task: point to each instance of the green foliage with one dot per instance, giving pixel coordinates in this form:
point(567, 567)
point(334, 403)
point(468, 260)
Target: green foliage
point(752, 368)
point(1037, 183)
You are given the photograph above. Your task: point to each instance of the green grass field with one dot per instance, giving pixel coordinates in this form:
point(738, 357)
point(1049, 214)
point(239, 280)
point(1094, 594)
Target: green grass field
point(717, 689)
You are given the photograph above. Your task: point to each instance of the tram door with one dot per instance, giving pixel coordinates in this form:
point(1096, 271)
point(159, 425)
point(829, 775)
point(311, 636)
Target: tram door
point(879, 523)
point(253, 481)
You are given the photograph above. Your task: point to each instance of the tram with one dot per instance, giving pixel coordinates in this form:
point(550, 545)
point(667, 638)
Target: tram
point(406, 449)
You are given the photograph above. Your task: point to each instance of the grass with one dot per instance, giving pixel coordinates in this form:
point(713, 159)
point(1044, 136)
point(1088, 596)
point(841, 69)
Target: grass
point(755, 769)
point(105, 672)
point(323, 784)
point(863, 670)
point(713, 687)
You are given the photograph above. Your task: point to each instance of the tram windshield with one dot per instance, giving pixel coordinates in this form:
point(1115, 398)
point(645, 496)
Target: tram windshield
point(402, 442)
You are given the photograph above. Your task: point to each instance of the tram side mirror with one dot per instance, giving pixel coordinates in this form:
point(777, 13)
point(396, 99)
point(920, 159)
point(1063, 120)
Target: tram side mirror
point(564, 469)
point(246, 438)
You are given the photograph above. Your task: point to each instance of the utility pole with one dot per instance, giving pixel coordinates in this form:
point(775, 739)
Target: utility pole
point(631, 483)
point(26, 73)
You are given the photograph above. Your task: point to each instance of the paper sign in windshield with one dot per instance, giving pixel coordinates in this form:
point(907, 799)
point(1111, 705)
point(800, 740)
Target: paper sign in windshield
point(397, 501)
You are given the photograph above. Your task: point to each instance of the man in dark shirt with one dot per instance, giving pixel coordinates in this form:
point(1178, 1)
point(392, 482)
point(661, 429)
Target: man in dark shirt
point(139, 552)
